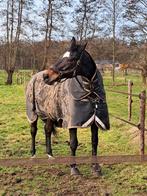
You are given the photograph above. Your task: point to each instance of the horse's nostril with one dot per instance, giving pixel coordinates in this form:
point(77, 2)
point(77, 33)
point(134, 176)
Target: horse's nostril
point(45, 76)
point(60, 73)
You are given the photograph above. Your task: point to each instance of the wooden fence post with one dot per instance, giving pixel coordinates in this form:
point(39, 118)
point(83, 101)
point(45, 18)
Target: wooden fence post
point(142, 97)
point(24, 78)
point(17, 78)
point(130, 101)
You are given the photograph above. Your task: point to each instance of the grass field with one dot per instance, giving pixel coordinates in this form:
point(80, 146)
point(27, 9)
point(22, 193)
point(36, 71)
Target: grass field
point(122, 179)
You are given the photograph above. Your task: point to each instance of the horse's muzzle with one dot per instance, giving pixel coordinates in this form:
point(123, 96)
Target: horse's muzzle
point(50, 79)
point(45, 78)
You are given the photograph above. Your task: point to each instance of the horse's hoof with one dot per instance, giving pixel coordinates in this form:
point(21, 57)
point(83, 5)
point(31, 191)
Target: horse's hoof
point(50, 157)
point(96, 170)
point(33, 157)
point(75, 171)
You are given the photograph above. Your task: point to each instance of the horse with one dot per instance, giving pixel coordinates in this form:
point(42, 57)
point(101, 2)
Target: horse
point(69, 94)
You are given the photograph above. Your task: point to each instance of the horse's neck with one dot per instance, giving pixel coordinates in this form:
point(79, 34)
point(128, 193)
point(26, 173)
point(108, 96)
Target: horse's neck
point(88, 67)
point(89, 74)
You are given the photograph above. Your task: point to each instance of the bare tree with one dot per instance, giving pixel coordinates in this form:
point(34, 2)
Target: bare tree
point(86, 18)
point(136, 29)
point(54, 14)
point(112, 18)
point(12, 10)
point(136, 14)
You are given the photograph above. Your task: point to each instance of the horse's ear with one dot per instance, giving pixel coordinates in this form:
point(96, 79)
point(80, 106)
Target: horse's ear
point(73, 43)
point(84, 46)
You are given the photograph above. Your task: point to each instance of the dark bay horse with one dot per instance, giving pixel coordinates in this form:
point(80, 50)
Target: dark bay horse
point(70, 94)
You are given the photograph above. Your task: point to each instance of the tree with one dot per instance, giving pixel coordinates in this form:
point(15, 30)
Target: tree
point(136, 27)
point(53, 14)
point(136, 15)
point(112, 10)
point(86, 18)
point(13, 11)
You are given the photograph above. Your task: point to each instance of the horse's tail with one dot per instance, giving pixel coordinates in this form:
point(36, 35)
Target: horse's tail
point(57, 124)
point(54, 130)
point(50, 125)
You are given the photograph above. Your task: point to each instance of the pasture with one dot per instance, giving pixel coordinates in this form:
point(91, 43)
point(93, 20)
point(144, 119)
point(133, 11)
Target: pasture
point(15, 140)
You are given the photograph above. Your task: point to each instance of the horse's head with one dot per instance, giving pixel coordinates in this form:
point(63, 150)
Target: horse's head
point(68, 64)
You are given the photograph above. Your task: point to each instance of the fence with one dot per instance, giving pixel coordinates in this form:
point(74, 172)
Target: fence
point(141, 124)
point(29, 162)
point(23, 77)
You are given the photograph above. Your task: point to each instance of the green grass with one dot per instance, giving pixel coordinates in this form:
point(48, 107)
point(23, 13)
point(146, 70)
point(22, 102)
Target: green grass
point(15, 142)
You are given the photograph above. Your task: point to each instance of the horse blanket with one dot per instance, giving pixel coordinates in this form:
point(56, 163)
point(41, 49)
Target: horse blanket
point(76, 102)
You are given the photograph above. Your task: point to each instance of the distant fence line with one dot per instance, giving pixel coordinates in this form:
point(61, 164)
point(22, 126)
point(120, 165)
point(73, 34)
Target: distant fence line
point(23, 77)
point(121, 92)
point(141, 124)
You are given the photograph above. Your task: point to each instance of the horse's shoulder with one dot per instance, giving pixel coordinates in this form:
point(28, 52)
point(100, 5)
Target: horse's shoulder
point(36, 79)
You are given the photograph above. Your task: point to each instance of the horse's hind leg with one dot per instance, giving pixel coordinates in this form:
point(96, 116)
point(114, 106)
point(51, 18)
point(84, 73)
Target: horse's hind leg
point(49, 128)
point(94, 140)
point(73, 147)
point(33, 134)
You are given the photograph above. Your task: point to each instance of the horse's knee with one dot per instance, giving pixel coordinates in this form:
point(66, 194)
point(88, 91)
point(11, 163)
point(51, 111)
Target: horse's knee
point(94, 135)
point(73, 144)
point(48, 127)
point(33, 129)
point(94, 139)
point(33, 134)
point(73, 140)
point(95, 142)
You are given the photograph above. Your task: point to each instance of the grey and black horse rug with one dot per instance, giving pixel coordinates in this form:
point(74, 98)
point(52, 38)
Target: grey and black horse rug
point(75, 102)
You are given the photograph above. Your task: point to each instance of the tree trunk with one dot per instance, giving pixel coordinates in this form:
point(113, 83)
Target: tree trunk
point(9, 77)
point(144, 76)
point(113, 47)
point(12, 43)
point(144, 79)
point(48, 32)
point(125, 72)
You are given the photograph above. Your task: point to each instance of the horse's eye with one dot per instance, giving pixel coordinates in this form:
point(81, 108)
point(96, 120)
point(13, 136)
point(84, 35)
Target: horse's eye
point(73, 56)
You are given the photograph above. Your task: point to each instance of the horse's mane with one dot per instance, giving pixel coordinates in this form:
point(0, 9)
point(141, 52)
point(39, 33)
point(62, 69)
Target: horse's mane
point(90, 57)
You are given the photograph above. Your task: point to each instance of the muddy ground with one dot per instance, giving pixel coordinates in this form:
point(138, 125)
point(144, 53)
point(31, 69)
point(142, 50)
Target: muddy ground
point(56, 180)
point(50, 181)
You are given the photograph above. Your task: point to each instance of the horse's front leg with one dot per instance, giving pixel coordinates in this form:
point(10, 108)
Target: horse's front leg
point(48, 131)
point(73, 147)
point(96, 169)
point(33, 134)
